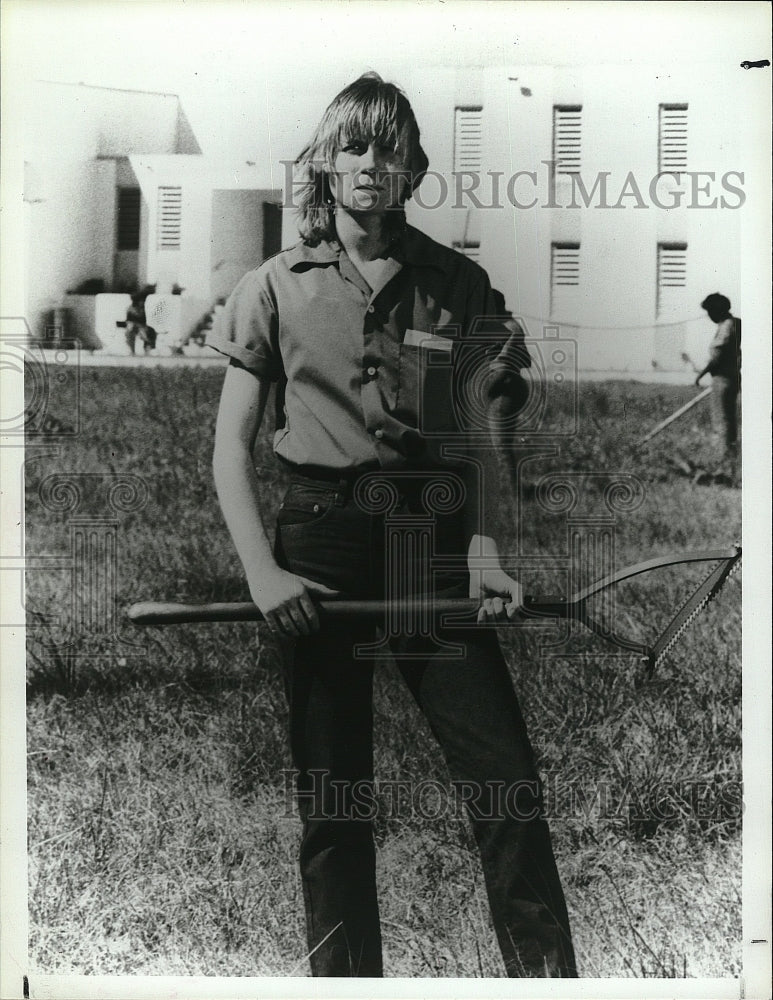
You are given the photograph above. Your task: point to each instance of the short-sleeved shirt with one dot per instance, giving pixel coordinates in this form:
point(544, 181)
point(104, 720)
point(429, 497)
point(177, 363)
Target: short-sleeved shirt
point(371, 376)
point(725, 350)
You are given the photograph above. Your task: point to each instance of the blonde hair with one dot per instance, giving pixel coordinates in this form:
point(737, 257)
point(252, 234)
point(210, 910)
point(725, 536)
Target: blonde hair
point(368, 108)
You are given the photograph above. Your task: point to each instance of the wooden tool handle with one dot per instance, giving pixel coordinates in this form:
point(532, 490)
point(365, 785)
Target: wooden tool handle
point(169, 613)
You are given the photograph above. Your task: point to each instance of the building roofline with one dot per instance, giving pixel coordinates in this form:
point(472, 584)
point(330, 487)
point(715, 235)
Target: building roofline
point(118, 90)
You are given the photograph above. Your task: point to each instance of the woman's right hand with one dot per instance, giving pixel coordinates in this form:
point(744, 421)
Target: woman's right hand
point(285, 602)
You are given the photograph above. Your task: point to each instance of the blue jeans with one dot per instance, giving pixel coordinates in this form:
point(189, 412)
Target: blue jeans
point(470, 704)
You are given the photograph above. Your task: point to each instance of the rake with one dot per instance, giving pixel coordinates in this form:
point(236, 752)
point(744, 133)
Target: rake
point(461, 612)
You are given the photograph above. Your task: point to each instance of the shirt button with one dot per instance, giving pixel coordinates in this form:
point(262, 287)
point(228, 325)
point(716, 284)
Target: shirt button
point(371, 309)
point(315, 508)
point(371, 371)
point(378, 433)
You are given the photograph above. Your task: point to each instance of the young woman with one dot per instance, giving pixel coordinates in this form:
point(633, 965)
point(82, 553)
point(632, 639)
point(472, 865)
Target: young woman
point(381, 445)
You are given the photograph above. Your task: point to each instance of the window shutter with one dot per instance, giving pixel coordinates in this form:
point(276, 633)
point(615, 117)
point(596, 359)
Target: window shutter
point(672, 265)
point(565, 265)
point(128, 218)
point(567, 138)
point(672, 137)
point(672, 276)
point(468, 138)
point(169, 218)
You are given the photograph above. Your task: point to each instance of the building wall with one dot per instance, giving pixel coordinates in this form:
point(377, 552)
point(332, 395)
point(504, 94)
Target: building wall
point(240, 239)
point(221, 223)
point(75, 120)
point(614, 312)
point(70, 237)
point(77, 142)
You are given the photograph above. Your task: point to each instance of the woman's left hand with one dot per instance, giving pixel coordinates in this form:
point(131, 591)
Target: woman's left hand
point(500, 595)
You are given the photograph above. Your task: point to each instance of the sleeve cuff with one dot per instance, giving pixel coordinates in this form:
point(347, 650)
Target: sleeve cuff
point(252, 362)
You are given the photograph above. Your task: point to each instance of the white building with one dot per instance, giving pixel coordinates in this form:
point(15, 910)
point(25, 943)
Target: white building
point(620, 241)
point(117, 196)
point(605, 199)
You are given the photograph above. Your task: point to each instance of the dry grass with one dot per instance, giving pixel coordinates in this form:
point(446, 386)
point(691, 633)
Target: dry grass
point(161, 840)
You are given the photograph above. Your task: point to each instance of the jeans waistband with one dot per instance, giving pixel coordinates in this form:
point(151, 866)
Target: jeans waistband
point(340, 480)
point(408, 482)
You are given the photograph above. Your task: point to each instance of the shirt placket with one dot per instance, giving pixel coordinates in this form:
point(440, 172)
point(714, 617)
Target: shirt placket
point(380, 358)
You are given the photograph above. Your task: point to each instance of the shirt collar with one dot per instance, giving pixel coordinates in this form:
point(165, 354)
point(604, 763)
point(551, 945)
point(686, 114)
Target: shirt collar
point(411, 247)
point(302, 255)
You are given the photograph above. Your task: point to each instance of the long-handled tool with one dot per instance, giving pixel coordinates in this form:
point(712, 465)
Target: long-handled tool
point(675, 416)
point(573, 608)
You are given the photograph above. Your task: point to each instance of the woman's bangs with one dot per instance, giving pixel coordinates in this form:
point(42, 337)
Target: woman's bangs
point(374, 119)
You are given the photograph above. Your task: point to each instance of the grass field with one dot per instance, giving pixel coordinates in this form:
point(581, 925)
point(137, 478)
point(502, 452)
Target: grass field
point(161, 838)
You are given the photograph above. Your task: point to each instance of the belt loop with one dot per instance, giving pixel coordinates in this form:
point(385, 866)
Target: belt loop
point(342, 492)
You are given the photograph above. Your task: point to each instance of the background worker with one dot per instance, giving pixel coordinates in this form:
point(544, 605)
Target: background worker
point(724, 366)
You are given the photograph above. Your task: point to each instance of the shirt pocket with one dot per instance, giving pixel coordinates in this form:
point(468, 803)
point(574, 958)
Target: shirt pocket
point(425, 389)
point(305, 505)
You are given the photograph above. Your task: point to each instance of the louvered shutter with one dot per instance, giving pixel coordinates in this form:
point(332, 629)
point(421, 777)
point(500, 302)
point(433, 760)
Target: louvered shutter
point(567, 138)
point(672, 265)
point(672, 137)
point(169, 218)
point(468, 138)
point(672, 276)
point(565, 265)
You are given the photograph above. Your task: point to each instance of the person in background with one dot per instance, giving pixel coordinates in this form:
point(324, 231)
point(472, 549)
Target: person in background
point(724, 366)
point(343, 322)
point(136, 321)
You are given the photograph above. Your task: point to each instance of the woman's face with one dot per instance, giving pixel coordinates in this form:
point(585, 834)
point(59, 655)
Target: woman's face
point(369, 177)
